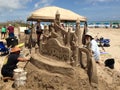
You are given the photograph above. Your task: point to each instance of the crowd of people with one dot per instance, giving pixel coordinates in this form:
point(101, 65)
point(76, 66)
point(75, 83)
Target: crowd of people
point(14, 55)
point(7, 31)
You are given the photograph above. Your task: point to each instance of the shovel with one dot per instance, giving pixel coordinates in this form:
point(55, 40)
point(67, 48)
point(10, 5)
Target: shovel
point(26, 65)
point(26, 62)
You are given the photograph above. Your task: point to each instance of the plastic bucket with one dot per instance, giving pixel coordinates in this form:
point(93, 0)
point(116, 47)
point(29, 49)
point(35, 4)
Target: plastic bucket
point(19, 77)
point(110, 63)
point(12, 41)
point(27, 31)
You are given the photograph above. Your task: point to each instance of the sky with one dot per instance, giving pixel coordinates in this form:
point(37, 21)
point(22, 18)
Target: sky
point(94, 10)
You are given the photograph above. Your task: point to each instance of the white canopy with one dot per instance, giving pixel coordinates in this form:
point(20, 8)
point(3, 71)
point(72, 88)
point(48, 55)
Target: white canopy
point(48, 14)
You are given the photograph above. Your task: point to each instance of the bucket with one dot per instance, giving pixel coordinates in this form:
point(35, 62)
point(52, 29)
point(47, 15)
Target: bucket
point(19, 77)
point(12, 41)
point(27, 31)
point(110, 63)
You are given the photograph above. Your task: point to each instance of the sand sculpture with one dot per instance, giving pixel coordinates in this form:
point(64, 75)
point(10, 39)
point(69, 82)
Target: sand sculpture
point(68, 47)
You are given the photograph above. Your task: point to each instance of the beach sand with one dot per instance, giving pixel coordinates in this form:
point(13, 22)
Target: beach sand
point(114, 49)
point(110, 76)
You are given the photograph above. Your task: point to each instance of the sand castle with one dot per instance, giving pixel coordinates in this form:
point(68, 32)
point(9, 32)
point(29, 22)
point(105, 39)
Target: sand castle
point(67, 47)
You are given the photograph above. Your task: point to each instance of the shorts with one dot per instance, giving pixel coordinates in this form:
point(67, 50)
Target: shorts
point(38, 32)
point(3, 32)
point(11, 34)
point(7, 72)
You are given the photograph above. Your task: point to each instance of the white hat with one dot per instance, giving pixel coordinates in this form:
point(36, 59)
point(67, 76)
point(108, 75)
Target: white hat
point(10, 25)
point(90, 34)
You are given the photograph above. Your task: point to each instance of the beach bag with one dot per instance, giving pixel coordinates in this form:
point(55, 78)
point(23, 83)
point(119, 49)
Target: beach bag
point(106, 42)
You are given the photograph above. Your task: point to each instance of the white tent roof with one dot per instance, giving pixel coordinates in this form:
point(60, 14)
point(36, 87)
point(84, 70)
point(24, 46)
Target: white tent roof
point(48, 14)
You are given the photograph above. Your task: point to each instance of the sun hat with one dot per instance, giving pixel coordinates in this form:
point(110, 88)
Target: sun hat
point(15, 49)
point(90, 34)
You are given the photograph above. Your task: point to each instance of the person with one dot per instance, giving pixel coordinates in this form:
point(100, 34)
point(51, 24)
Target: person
point(10, 30)
point(3, 32)
point(11, 63)
point(38, 32)
point(93, 46)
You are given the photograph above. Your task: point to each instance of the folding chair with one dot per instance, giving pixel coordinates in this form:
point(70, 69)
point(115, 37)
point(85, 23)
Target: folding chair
point(3, 49)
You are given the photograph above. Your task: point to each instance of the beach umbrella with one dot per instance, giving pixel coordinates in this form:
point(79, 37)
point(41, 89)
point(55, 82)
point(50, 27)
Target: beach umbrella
point(48, 14)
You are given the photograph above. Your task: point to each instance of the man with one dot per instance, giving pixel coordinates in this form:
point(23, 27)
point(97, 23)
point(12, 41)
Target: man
point(11, 63)
point(10, 30)
point(38, 32)
point(92, 44)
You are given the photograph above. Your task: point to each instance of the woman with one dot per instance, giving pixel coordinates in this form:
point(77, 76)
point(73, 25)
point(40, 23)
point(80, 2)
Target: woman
point(92, 44)
point(11, 64)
